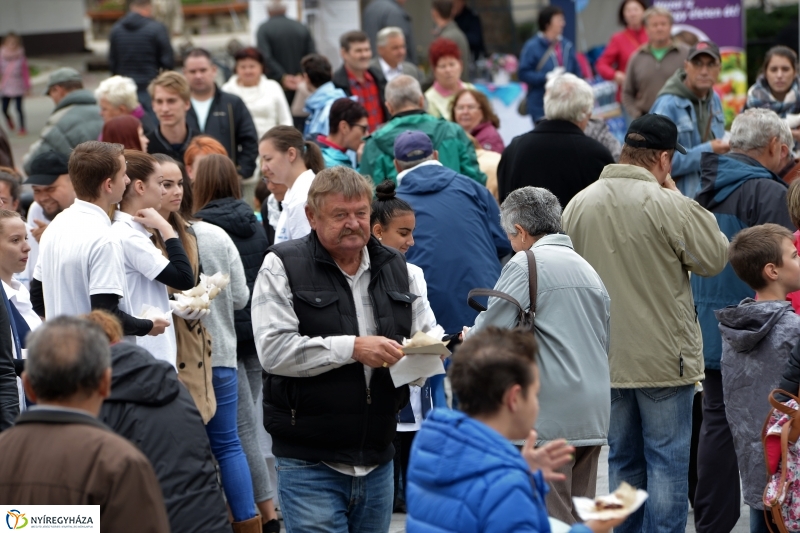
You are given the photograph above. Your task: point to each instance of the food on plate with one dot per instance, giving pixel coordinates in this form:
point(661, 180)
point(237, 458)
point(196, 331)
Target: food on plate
point(623, 497)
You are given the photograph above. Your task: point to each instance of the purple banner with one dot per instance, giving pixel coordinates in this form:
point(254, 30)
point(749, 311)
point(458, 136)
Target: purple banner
point(716, 20)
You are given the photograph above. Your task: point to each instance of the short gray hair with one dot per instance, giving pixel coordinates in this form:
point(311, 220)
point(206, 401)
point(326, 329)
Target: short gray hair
point(118, 91)
point(657, 11)
point(338, 180)
point(755, 128)
point(67, 356)
point(567, 97)
point(403, 91)
point(535, 209)
point(387, 33)
point(405, 165)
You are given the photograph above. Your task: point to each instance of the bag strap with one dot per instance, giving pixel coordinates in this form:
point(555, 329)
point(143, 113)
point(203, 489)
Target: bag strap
point(545, 57)
point(783, 408)
point(533, 281)
point(493, 293)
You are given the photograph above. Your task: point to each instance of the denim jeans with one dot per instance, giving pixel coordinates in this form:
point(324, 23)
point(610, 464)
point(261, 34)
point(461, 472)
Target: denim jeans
point(315, 498)
point(649, 439)
point(227, 448)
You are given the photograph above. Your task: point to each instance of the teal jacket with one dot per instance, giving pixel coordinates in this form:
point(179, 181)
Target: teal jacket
point(455, 149)
point(334, 157)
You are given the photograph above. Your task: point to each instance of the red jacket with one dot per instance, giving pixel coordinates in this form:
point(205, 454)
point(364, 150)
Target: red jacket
point(619, 49)
point(794, 297)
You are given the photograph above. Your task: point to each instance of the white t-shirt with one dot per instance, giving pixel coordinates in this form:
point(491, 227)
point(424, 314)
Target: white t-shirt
point(201, 109)
point(35, 212)
point(79, 256)
point(293, 223)
point(143, 262)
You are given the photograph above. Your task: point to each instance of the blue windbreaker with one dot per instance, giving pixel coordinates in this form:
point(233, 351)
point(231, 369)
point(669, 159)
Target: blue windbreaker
point(464, 477)
point(741, 193)
point(458, 239)
point(533, 52)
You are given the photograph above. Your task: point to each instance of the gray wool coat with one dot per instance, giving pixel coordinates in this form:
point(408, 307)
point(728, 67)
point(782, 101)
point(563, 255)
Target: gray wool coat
point(757, 340)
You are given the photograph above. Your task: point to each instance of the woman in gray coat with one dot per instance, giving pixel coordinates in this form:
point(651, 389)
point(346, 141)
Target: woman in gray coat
point(572, 330)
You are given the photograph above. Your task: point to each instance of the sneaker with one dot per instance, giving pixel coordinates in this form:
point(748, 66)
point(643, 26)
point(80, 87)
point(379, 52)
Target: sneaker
point(273, 526)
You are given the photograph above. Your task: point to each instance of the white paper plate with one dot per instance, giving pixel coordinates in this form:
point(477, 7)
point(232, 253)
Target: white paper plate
point(585, 508)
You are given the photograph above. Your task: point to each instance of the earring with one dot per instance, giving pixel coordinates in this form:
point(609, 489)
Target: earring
point(380, 238)
point(523, 240)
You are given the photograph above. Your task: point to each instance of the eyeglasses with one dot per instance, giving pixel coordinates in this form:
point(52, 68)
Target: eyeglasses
point(468, 107)
point(364, 128)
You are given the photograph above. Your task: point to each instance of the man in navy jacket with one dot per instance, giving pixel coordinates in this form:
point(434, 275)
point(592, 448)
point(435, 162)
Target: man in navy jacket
point(741, 190)
point(459, 241)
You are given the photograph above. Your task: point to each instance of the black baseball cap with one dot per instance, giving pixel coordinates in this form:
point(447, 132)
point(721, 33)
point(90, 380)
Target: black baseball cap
point(704, 47)
point(659, 133)
point(47, 167)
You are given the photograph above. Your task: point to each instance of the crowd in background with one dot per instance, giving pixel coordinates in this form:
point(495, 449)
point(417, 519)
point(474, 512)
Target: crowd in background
point(348, 210)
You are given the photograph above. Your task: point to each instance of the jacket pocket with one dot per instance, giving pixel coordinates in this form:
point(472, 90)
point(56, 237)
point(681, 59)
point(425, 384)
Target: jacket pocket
point(318, 310)
point(401, 309)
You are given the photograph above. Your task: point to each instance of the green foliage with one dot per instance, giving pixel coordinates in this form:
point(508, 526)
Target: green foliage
point(762, 27)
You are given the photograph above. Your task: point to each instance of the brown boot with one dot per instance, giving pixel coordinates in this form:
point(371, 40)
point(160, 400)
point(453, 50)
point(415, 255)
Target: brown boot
point(248, 526)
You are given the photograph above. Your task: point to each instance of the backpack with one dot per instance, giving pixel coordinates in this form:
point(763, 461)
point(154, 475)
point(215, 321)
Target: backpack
point(782, 494)
point(525, 319)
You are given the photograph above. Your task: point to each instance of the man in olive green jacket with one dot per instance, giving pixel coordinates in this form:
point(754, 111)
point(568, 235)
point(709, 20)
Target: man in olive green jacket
point(644, 238)
point(406, 103)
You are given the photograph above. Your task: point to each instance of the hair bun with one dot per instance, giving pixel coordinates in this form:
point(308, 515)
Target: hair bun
point(386, 191)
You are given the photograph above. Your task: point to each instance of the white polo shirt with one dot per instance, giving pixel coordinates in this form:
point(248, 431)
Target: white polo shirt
point(143, 262)
point(79, 256)
point(293, 223)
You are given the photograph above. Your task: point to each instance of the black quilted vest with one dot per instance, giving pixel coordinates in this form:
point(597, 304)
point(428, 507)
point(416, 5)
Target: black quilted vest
point(336, 416)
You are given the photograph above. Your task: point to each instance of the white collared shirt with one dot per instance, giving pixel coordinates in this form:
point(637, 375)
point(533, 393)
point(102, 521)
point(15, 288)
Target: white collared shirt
point(35, 212)
point(143, 262)
point(402, 174)
point(79, 256)
point(388, 72)
point(293, 223)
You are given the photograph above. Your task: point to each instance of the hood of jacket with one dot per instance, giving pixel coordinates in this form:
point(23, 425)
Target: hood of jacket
point(721, 175)
point(77, 97)
point(702, 108)
point(743, 326)
point(469, 450)
point(137, 377)
point(232, 215)
point(324, 94)
point(417, 119)
point(428, 179)
point(134, 21)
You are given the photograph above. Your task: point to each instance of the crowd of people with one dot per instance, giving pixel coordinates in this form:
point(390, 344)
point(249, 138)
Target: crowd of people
point(203, 304)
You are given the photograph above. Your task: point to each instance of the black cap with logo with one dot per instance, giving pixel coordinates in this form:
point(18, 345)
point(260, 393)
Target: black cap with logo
point(659, 133)
point(47, 167)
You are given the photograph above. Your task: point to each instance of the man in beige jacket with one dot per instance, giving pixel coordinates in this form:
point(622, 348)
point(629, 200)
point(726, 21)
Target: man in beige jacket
point(644, 238)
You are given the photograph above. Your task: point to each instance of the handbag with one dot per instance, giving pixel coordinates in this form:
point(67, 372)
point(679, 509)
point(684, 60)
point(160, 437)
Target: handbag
point(525, 319)
point(782, 493)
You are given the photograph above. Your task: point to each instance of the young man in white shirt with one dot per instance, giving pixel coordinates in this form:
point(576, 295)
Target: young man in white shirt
point(81, 264)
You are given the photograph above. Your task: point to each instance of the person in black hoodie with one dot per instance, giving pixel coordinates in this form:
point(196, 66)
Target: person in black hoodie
point(218, 114)
point(216, 201)
point(139, 47)
point(149, 407)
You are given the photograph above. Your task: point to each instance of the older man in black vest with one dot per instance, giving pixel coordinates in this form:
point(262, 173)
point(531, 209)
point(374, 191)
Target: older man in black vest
point(330, 312)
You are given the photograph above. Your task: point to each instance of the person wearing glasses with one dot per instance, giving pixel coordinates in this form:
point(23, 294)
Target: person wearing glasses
point(689, 100)
point(289, 159)
point(348, 126)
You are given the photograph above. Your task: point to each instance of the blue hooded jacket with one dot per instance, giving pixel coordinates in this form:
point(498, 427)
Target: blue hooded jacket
point(464, 477)
point(318, 105)
point(458, 239)
point(741, 193)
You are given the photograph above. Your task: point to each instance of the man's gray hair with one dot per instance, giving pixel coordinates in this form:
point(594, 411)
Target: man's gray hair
point(387, 33)
point(338, 180)
point(405, 165)
point(567, 97)
point(657, 11)
point(535, 209)
point(118, 91)
point(403, 91)
point(67, 356)
point(752, 131)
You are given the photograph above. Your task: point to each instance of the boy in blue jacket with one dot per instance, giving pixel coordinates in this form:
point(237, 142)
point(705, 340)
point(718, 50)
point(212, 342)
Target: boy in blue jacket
point(464, 475)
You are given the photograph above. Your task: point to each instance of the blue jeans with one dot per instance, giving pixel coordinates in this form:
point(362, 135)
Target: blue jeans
point(649, 440)
point(227, 448)
point(315, 498)
point(689, 185)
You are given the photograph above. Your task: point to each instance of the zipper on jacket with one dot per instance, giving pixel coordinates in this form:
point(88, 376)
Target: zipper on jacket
point(369, 398)
point(681, 360)
point(293, 419)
